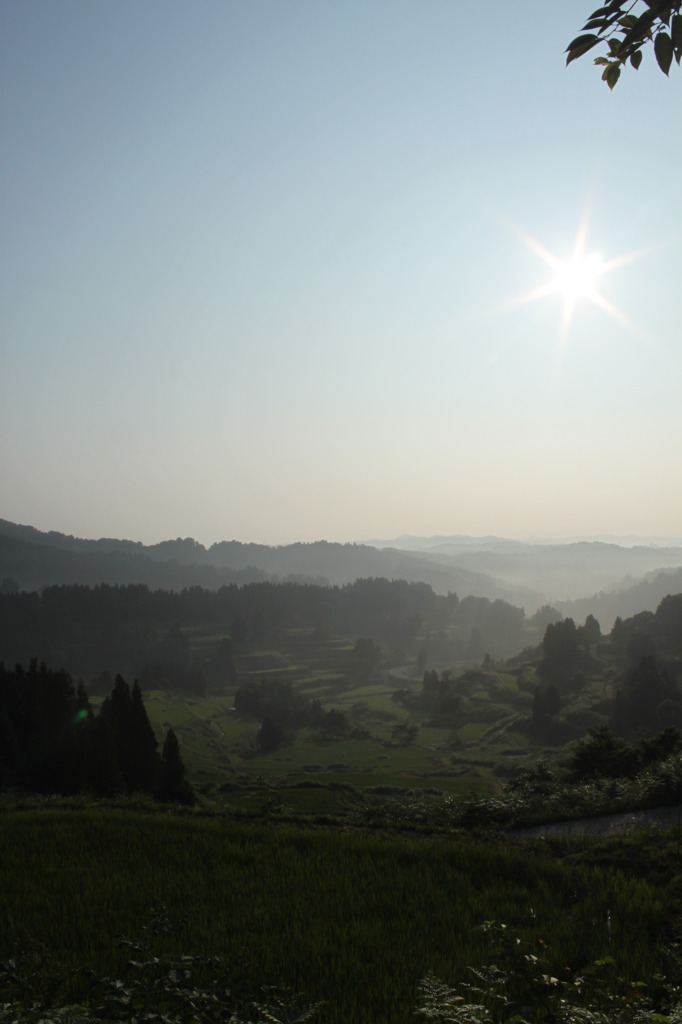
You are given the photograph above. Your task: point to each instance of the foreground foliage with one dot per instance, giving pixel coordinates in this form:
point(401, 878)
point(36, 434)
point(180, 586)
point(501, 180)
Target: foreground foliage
point(626, 27)
point(350, 920)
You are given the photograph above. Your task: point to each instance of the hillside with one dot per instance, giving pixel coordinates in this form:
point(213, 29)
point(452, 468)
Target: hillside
point(385, 688)
point(35, 560)
point(606, 579)
point(564, 571)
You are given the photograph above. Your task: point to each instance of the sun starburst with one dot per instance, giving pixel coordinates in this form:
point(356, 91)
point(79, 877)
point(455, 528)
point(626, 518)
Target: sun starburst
point(574, 279)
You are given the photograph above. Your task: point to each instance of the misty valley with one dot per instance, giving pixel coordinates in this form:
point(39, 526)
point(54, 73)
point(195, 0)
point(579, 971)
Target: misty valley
point(281, 280)
point(337, 759)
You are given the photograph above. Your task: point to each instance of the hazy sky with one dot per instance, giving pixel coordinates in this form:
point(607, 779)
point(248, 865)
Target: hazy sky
point(260, 264)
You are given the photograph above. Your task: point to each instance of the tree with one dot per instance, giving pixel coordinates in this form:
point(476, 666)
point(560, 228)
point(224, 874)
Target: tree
point(546, 704)
point(333, 722)
point(644, 688)
point(270, 736)
point(559, 647)
point(116, 712)
point(625, 27)
point(601, 754)
point(590, 633)
point(172, 783)
point(145, 763)
point(431, 684)
point(238, 629)
point(402, 734)
point(12, 764)
point(134, 740)
point(103, 773)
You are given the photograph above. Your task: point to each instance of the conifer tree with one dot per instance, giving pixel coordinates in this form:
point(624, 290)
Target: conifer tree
point(116, 711)
point(172, 782)
point(134, 741)
point(103, 773)
point(145, 757)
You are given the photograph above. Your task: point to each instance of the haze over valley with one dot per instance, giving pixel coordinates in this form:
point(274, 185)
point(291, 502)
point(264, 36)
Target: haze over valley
point(341, 512)
point(611, 578)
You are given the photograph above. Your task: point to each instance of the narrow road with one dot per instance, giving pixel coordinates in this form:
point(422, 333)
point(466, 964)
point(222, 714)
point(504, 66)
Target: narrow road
point(607, 824)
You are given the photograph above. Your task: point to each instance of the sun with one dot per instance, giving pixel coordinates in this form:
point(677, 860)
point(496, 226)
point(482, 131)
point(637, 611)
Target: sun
point(574, 279)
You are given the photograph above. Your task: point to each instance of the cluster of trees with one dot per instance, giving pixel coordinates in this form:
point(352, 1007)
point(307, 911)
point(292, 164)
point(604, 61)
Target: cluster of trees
point(649, 645)
point(52, 742)
point(546, 704)
point(479, 627)
point(282, 710)
point(564, 642)
point(439, 698)
point(602, 754)
point(602, 772)
point(647, 695)
point(146, 634)
point(647, 632)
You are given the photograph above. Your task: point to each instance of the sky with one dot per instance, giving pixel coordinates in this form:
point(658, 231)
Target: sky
point(286, 270)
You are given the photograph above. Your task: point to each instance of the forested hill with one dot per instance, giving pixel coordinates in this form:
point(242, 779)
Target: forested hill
point(128, 628)
point(607, 580)
point(34, 560)
point(645, 595)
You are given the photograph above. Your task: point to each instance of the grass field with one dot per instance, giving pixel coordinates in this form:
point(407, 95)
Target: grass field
point(352, 920)
point(220, 747)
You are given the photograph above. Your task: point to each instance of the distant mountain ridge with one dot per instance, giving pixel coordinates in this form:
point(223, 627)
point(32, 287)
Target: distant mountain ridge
point(36, 559)
point(643, 596)
point(578, 577)
point(462, 541)
point(561, 572)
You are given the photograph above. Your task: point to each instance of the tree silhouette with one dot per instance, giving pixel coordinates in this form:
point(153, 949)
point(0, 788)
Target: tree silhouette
point(133, 736)
point(103, 777)
point(145, 760)
point(172, 783)
point(270, 736)
point(559, 647)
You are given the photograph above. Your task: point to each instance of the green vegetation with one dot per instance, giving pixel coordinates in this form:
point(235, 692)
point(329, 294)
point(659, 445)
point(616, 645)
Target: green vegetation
point(51, 742)
point(340, 773)
point(625, 27)
point(348, 920)
point(293, 710)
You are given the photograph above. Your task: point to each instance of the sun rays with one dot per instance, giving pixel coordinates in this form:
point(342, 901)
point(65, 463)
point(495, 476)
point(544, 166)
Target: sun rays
point(575, 280)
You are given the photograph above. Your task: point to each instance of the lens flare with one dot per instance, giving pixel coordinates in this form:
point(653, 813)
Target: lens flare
point(575, 280)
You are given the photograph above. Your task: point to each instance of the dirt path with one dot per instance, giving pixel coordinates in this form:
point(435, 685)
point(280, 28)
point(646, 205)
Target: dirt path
point(608, 824)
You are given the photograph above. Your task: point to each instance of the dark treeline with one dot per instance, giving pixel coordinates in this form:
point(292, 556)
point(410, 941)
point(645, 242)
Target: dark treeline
point(134, 629)
point(282, 710)
point(52, 742)
point(639, 664)
point(643, 691)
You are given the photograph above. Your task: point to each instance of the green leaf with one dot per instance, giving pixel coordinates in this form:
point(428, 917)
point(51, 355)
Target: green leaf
point(663, 48)
point(611, 74)
point(629, 21)
point(602, 60)
point(676, 33)
point(580, 45)
point(612, 10)
point(636, 59)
